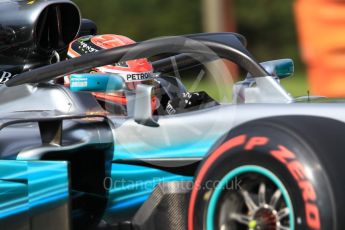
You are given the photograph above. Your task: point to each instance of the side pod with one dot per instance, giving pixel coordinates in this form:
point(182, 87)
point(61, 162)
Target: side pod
point(34, 195)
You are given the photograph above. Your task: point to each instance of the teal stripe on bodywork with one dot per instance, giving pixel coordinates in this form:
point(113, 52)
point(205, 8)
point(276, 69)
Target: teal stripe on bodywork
point(28, 188)
point(13, 199)
point(48, 188)
point(142, 150)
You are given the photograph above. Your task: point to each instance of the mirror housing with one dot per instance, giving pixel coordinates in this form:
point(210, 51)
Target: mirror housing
point(143, 106)
point(268, 89)
point(280, 68)
point(93, 82)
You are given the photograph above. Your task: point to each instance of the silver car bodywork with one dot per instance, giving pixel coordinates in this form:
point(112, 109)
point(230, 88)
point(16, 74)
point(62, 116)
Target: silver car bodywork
point(48, 122)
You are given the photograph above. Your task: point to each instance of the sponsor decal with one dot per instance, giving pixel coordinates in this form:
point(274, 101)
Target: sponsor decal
point(255, 141)
point(138, 76)
point(170, 109)
point(79, 82)
point(187, 95)
point(121, 64)
point(85, 48)
point(5, 76)
point(298, 171)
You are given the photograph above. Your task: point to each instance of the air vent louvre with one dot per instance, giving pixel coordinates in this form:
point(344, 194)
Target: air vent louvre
point(57, 25)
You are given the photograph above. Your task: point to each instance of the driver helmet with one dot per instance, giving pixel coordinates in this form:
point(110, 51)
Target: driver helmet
point(134, 72)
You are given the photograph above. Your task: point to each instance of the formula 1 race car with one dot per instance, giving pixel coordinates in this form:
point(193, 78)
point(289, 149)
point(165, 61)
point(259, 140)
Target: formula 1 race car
point(265, 161)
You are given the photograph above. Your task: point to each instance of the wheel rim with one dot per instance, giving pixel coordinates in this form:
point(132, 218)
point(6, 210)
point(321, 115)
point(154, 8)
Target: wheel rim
point(261, 202)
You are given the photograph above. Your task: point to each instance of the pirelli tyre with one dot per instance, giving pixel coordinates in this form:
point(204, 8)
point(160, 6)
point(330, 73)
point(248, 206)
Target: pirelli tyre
point(276, 173)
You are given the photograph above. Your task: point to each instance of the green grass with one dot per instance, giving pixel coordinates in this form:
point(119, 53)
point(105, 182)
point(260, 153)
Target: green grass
point(296, 85)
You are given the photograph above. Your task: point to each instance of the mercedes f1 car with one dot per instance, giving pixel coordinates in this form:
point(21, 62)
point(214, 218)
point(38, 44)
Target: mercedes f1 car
point(67, 161)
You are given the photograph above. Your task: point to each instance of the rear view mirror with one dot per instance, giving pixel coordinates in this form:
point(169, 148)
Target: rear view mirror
point(94, 82)
point(280, 68)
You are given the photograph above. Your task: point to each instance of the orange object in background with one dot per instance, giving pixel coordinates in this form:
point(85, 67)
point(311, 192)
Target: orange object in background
point(321, 28)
